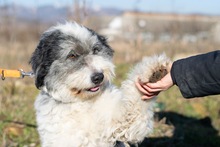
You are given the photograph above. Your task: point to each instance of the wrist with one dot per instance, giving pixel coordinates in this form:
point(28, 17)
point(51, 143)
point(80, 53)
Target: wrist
point(172, 73)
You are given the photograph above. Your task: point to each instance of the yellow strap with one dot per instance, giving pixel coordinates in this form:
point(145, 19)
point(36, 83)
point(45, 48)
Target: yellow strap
point(10, 73)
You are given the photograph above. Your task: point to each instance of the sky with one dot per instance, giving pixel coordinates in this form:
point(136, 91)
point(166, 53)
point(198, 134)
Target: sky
point(210, 7)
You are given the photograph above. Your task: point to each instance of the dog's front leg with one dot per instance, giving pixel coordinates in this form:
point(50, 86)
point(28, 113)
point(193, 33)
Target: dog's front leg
point(137, 121)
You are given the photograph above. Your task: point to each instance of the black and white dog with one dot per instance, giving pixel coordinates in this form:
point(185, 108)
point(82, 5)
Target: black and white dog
point(78, 106)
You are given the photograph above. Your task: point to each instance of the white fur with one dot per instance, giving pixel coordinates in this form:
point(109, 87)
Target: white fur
point(80, 32)
point(116, 114)
point(112, 114)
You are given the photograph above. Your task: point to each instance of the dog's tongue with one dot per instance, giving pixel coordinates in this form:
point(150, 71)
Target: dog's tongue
point(94, 89)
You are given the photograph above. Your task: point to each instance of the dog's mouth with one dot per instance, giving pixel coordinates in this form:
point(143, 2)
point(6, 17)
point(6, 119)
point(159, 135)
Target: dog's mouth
point(94, 89)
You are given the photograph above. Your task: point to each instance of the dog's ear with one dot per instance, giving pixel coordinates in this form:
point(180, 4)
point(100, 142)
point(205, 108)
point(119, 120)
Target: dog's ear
point(44, 55)
point(42, 71)
point(39, 64)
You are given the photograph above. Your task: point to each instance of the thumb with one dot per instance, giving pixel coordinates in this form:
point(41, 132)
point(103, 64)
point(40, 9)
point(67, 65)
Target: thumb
point(156, 85)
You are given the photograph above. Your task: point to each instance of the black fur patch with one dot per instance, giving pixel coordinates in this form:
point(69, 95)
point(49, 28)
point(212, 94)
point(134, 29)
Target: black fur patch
point(103, 42)
point(44, 55)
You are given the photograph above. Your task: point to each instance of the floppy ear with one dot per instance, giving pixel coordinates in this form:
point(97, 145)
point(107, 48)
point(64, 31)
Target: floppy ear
point(44, 55)
point(41, 73)
point(38, 64)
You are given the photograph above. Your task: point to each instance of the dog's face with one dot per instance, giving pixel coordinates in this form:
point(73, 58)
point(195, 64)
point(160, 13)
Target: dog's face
point(72, 62)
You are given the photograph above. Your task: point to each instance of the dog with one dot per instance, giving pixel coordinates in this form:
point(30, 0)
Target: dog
point(78, 106)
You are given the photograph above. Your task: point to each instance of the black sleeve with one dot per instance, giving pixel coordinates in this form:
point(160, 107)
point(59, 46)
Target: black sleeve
point(198, 76)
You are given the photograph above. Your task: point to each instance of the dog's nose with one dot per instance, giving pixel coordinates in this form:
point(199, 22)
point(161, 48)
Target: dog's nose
point(97, 78)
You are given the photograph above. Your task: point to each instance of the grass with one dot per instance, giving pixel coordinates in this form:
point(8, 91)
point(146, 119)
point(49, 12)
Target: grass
point(17, 116)
point(178, 121)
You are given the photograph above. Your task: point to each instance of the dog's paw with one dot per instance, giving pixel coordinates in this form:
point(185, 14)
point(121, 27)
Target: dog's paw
point(158, 75)
point(154, 68)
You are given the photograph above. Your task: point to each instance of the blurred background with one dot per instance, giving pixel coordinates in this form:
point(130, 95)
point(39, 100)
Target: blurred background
point(134, 28)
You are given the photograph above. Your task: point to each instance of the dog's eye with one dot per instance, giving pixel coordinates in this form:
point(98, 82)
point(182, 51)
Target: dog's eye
point(96, 50)
point(72, 55)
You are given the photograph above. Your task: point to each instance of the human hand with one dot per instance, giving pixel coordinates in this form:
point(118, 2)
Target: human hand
point(151, 90)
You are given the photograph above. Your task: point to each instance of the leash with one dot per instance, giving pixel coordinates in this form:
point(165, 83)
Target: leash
point(6, 73)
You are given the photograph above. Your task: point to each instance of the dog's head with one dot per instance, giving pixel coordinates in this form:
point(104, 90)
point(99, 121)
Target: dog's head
point(72, 61)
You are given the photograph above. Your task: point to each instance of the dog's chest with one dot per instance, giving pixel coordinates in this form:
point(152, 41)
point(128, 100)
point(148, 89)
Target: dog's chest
point(67, 117)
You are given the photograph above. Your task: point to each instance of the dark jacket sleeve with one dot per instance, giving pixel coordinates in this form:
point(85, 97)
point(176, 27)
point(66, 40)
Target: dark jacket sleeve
point(198, 76)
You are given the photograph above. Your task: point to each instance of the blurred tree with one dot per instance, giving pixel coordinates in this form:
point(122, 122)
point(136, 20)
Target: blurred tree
point(78, 11)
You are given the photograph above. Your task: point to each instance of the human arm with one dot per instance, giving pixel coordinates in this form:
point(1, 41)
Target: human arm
point(198, 76)
point(195, 76)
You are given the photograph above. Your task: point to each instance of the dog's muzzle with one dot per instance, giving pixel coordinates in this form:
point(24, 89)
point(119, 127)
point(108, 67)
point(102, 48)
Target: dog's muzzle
point(97, 78)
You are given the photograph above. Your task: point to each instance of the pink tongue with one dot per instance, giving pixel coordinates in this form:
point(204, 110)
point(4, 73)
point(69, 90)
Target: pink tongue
point(94, 89)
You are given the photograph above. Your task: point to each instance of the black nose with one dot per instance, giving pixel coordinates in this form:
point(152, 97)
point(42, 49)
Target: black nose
point(97, 78)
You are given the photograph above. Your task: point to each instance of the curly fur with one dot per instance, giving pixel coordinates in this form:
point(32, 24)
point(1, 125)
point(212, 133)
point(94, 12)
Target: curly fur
point(74, 111)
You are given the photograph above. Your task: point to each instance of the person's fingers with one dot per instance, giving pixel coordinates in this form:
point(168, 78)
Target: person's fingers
point(144, 97)
point(147, 97)
point(165, 83)
point(152, 89)
point(152, 85)
point(143, 90)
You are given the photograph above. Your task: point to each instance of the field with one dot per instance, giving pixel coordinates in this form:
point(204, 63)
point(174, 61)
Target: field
point(178, 122)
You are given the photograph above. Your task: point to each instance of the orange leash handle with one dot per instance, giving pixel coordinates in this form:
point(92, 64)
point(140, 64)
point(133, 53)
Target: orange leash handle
point(5, 73)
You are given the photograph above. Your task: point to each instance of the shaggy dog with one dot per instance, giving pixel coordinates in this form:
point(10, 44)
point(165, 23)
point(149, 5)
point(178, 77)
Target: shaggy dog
point(78, 106)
